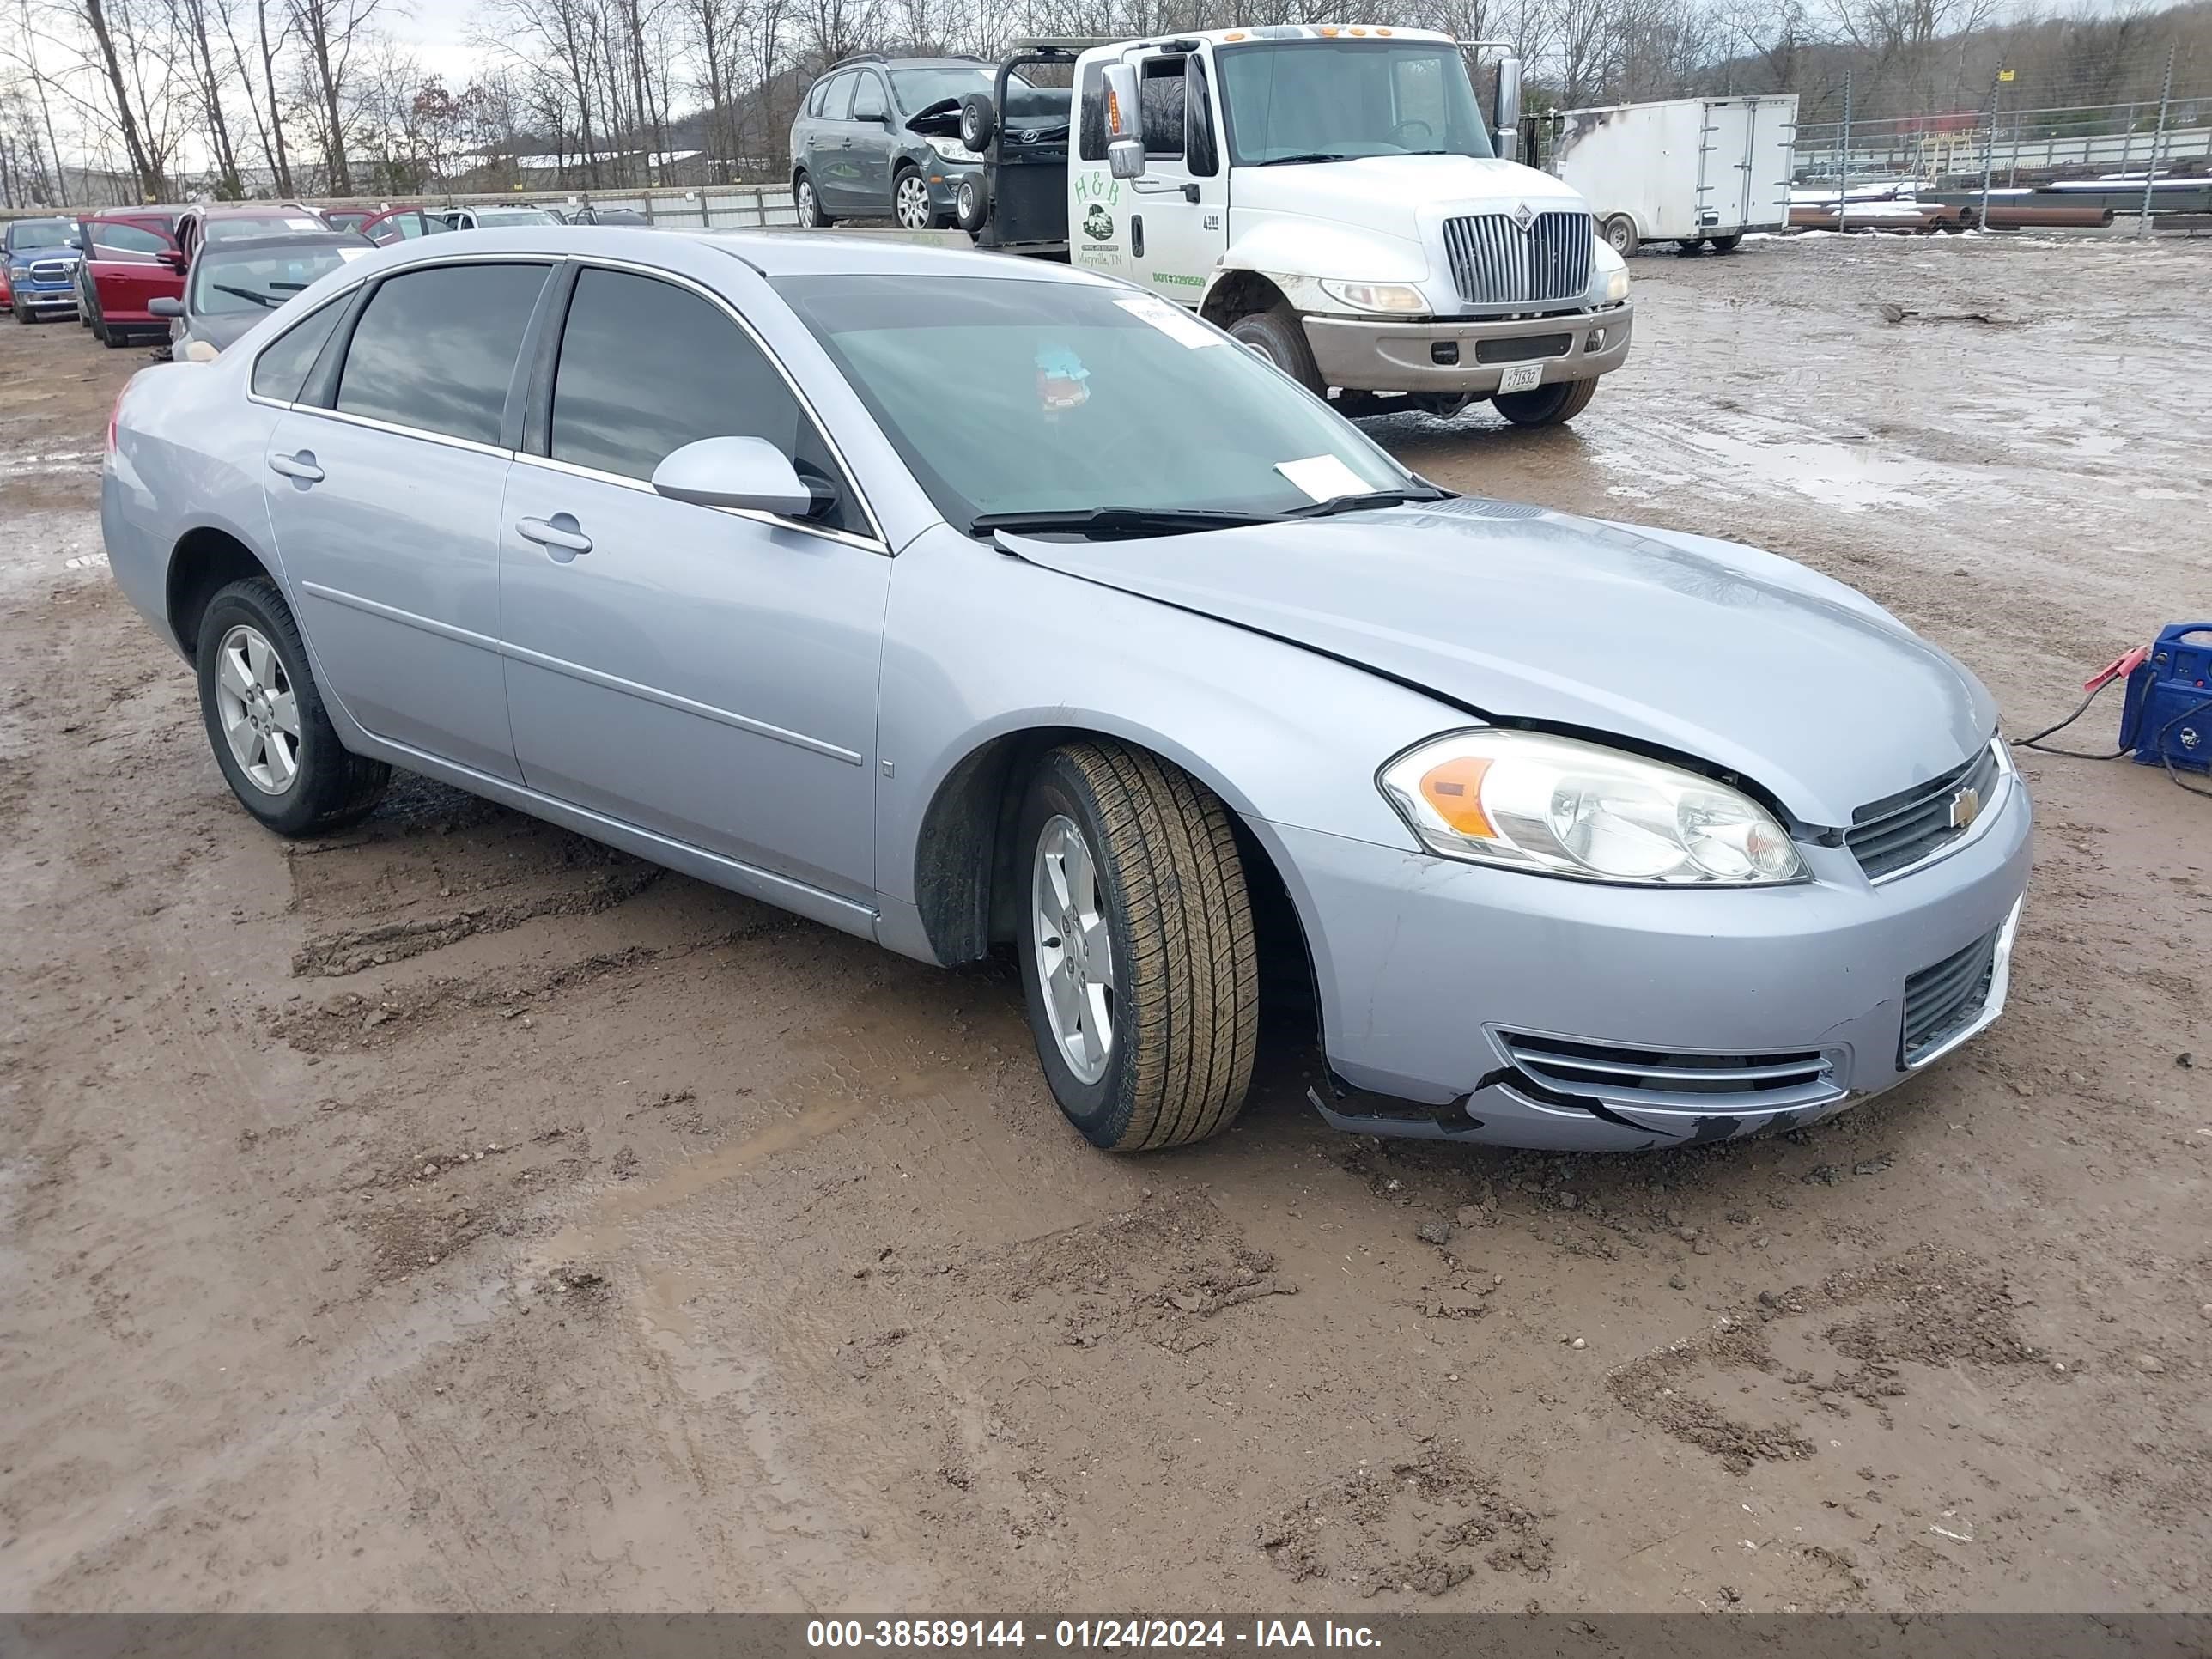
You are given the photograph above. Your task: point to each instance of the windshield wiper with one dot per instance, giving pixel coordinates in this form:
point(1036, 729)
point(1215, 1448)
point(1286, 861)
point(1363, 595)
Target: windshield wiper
point(1301, 160)
point(1118, 521)
point(1372, 498)
point(268, 301)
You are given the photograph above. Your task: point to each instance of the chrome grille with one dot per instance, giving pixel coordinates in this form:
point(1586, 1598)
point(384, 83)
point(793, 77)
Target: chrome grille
point(1706, 1083)
point(1885, 835)
point(1495, 262)
point(1942, 1000)
point(52, 270)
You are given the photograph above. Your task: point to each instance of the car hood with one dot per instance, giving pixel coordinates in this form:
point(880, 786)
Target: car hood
point(24, 256)
point(1739, 659)
point(1357, 193)
point(224, 329)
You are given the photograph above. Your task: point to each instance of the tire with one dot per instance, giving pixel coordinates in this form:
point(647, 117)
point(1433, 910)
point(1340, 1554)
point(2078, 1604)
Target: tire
point(971, 203)
point(807, 205)
point(1726, 244)
point(1548, 405)
point(1170, 904)
point(910, 203)
point(1688, 246)
point(979, 121)
point(1620, 234)
point(328, 786)
point(115, 338)
point(1276, 336)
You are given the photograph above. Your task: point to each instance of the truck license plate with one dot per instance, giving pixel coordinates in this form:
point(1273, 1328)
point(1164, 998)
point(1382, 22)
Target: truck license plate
point(1522, 377)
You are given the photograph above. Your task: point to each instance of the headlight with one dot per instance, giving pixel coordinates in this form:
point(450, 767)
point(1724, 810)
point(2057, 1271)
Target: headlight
point(1616, 287)
point(1375, 296)
point(1560, 807)
point(951, 149)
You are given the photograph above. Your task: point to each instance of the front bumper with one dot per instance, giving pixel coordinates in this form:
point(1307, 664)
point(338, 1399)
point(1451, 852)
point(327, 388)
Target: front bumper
point(34, 297)
point(1373, 353)
point(1437, 978)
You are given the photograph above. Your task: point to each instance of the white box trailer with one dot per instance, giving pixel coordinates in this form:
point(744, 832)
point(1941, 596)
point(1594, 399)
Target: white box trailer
point(1686, 170)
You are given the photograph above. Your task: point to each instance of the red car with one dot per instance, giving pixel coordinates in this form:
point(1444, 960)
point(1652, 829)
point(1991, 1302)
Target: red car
point(386, 224)
point(131, 258)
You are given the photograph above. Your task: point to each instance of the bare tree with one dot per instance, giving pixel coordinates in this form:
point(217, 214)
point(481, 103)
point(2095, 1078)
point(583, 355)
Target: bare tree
point(330, 32)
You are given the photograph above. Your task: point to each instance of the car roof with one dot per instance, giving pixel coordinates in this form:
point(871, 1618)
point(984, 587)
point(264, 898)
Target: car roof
point(812, 254)
point(255, 211)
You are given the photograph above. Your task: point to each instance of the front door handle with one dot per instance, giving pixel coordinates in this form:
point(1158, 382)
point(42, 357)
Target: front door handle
point(560, 535)
point(300, 466)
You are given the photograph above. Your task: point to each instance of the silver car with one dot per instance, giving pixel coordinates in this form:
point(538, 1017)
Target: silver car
point(961, 602)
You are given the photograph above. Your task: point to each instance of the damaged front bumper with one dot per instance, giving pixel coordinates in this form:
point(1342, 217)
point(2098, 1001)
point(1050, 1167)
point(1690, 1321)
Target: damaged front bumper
point(1462, 1002)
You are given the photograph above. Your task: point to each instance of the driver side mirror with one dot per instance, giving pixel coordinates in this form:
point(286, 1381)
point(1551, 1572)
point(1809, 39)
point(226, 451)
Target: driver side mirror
point(1125, 143)
point(750, 473)
point(165, 307)
point(1507, 108)
point(174, 257)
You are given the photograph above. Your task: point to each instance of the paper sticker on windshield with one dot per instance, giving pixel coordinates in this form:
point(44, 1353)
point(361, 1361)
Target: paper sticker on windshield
point(353, 253)
point(1171, 320)
point(305, 224)
point(1060, 379)
point(1324, 478)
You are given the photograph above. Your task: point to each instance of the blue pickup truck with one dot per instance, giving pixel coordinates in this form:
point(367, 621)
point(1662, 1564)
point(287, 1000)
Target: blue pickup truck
point(42, 260)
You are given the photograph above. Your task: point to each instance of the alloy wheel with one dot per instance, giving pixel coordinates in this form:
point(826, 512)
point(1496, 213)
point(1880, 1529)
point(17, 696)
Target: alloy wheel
point(804, 199)
point(913, 202)
point(1074, 951)
point(260, 717)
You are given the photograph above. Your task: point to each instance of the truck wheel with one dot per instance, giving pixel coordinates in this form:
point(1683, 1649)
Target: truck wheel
point(806, 206)
point(1138, 954)
point(1726, 244)
point(1688, 245)
point(1277, 335)
point(1620, 234)
point(979, 121)
point(971, 203)
point(265, 722)
point(1548, 405)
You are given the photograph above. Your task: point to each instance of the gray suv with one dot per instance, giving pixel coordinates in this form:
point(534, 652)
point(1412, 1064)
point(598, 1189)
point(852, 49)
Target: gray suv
point(854, 152)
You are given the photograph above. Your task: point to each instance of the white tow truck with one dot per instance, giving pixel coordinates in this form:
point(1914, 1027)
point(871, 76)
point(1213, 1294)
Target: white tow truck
point(1330, 195)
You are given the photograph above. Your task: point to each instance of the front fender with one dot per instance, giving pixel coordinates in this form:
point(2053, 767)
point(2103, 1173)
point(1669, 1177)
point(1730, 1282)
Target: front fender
point(1279, 245)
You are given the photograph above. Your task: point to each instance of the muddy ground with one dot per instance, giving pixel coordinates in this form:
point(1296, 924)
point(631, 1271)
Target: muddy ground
point(458, 1215)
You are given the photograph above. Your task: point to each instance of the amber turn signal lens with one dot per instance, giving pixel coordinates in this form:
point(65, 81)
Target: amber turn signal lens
point(1455, 790)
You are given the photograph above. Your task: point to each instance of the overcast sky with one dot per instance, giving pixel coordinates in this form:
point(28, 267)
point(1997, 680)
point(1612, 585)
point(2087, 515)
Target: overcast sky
point(437, 32)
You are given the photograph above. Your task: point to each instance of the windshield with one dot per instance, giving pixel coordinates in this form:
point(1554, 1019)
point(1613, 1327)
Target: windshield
point(224, 285)
point(1288, 101)
point(917, 88)
point(245, 227)
point(487, 217)
point(1010, 396)
point(41, 232)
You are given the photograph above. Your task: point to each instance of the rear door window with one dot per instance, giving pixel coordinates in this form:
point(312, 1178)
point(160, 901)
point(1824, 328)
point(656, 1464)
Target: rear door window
point(282, 369)
point(435, 348)
point(708, 381)
point(839, 99)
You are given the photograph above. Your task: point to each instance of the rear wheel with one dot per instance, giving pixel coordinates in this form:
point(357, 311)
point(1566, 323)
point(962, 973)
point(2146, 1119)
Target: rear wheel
point(808, 205)
point(1688, 245)
point(1277, 335)
point(1620, 234)
point(910, 202)
point(266, 719)
point(1548, 405)
point(1726, 244)
point(971, 203)
point(1137, 953)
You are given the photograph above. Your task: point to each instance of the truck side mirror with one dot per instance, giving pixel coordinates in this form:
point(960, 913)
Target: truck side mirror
point(1125, 144)
point(1506, 108)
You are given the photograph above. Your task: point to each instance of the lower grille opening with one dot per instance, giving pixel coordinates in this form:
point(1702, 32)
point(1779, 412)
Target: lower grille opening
point(1752, 1082)
point(1527, 349)
point(1945, 998)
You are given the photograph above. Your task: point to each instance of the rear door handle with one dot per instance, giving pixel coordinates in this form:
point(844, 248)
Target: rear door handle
point(560, 535)
point(300, 466)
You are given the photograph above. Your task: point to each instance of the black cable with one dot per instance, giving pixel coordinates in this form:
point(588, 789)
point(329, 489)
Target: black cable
point(2167, 759)
point(2036, 742)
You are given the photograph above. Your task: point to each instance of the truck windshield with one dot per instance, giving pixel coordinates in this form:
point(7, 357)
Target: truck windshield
point(1007, 396)
point(41, 232)
point(1295, 102)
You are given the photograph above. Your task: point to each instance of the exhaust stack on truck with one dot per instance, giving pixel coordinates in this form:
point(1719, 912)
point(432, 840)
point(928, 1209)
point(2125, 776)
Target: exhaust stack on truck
point(1330, 195)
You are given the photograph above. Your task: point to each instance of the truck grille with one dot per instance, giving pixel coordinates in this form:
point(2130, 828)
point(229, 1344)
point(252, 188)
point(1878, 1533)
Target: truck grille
point(1708, 1083)
point(1496, 263)
point(1885, 835)
point(53, 270)
point(1942, 1000)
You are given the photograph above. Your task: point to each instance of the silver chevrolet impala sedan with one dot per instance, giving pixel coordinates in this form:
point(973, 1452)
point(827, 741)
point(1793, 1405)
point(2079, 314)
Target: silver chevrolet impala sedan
point(961, 602)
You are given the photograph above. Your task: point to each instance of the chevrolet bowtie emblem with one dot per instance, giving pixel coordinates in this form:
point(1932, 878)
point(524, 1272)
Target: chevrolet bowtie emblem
point(1966, 807)
point(1524, 215)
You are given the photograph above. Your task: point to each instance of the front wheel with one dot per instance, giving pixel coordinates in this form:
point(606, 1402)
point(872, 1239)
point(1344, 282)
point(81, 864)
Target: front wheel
point(1548, 405)
point(1139, 959)
point(266, 719)
point(1277, 335)
point(971, 203)
point(910, 203)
